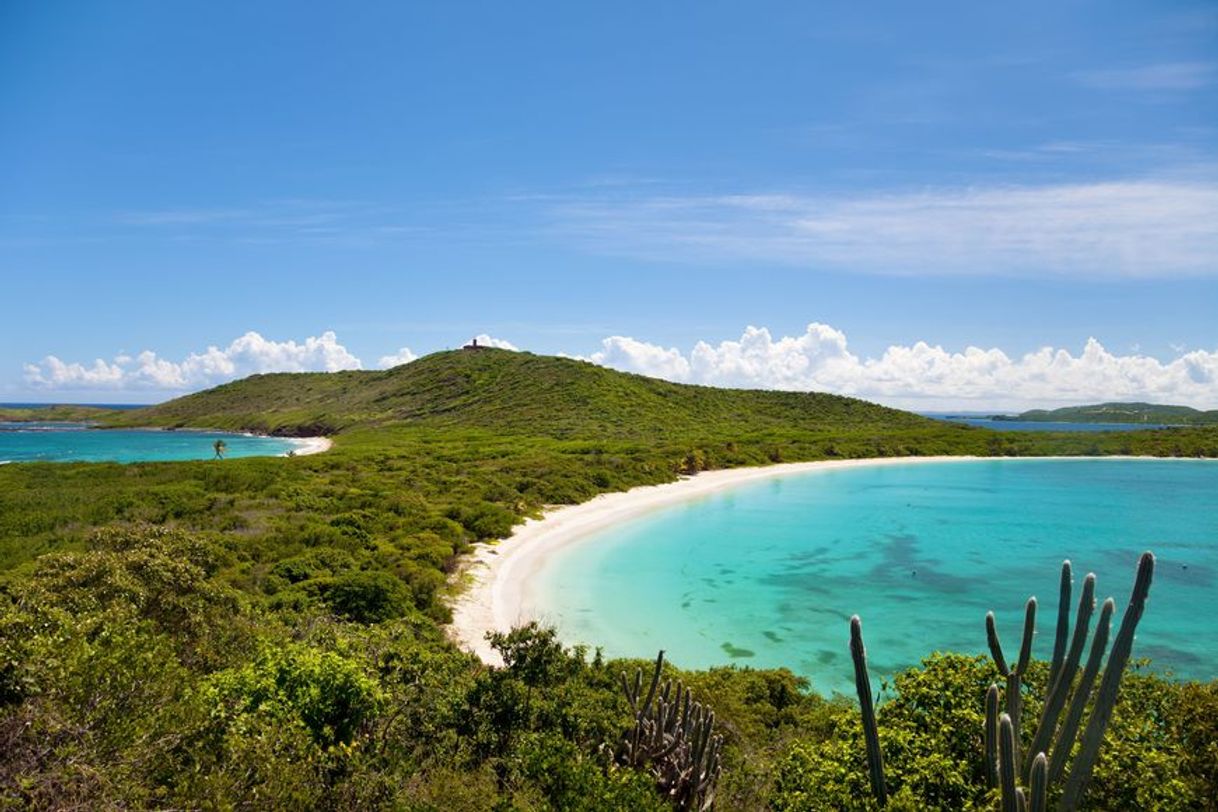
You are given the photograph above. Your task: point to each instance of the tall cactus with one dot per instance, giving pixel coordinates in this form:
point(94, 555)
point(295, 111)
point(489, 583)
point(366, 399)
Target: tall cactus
point(862, 684)
point(1007, 771)
point(1038, 784)
point(1049, 764)
point(1064, 666)
point(991, 736)
point(1105, 700)
point(1053, 743)
point(1014, 693)
point(673, 736)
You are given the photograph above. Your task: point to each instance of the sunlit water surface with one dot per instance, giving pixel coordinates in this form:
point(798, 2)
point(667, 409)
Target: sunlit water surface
point(74, 442)
point(768, 574)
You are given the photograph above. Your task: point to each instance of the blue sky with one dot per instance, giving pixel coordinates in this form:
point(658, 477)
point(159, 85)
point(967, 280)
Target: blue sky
point(619, 183)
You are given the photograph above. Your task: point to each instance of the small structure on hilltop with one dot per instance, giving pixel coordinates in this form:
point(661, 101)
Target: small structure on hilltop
point(474, 345)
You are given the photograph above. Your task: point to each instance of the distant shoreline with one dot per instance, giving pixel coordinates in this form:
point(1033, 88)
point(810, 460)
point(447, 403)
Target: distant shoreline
point(311, 445)
point(496, 577)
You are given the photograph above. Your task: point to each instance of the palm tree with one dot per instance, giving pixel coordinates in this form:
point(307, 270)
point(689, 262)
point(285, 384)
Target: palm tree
point(220, 446)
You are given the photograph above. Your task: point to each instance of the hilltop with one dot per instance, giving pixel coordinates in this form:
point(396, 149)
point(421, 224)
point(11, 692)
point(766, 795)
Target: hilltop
point(1152, 413)
point(505, 391)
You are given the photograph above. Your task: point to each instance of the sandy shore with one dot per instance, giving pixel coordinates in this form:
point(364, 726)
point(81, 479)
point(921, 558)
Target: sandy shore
point(499, 574)
point(311, 445)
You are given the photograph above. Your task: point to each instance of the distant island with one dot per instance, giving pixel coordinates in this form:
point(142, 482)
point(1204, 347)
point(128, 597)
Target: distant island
point(1151, 413)
point(52, 413)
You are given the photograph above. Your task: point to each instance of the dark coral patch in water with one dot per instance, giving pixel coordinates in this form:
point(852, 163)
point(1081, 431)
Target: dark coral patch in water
point(735, 651)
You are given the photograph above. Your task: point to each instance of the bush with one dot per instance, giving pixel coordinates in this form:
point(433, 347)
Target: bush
point(369, 597)
point(325, 692)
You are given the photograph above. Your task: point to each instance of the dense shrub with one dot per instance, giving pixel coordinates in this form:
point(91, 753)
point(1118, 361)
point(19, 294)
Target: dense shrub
point(368, 597)
point(326, 693)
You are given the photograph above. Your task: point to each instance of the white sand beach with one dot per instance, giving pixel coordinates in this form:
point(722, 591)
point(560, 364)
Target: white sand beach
point(499, 574)
point(311, 445)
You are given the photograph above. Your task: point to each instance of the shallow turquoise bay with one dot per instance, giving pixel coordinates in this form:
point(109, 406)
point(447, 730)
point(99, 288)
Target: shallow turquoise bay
point(59, 442)
point(769, 573)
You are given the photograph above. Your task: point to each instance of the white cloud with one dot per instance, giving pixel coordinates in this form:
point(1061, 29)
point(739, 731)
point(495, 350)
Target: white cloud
point(402, 356)
point(497, 343)
point(1133, 229)
point(917, 376)
point(250, 354)
point(923, 376)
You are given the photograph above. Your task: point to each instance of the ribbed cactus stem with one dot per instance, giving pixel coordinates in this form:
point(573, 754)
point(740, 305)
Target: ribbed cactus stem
point(1063, 622)
point(991, 636)
point(862, 684)
point(1059, 690)
point(1105, 701)
point(1006, 764)
point(1015, 711)
point(991, 736)
point(1064, 742)
point(1038, 784)
point(1025, 647)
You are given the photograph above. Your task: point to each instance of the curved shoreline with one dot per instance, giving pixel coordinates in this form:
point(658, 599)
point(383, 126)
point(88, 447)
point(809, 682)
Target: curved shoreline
point(496, 577)
point(499, 574)
point(311, 445)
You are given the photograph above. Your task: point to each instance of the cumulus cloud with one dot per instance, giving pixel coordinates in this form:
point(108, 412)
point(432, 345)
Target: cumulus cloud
point(924, 376)
point(247, 355)
point(1133, 229)
point(402, 356)
point(497, 343)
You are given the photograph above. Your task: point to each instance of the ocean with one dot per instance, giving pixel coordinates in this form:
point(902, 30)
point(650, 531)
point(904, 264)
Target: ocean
point(768, 574)
point(76, 442)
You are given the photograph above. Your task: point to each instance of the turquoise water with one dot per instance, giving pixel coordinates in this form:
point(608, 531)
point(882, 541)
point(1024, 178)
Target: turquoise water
point(769, 573)
point(74, 442)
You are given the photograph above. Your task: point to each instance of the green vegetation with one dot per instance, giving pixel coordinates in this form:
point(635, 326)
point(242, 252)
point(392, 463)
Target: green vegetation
point(1151, 413)
point(54, 414)
point(265, 632)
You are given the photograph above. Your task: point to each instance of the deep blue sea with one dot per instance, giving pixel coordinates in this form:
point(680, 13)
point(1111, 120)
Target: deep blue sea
point(768, 574)
point(76, 442)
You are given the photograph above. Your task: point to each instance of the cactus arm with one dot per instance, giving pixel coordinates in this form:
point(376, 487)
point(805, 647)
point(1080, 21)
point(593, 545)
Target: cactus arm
point(862, 684)
point(655, 680)
point(1063, 623)
point(1105, 701)
point(991, 736)
point(991, 636)
point(1006, 764)
point(1059, 692)
point(1069, 730)
point(1038, 789)
point(1029, 631)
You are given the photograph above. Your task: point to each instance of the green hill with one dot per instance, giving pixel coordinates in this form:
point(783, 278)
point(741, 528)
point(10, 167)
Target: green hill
point(1151, 413)
point(511, 392)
